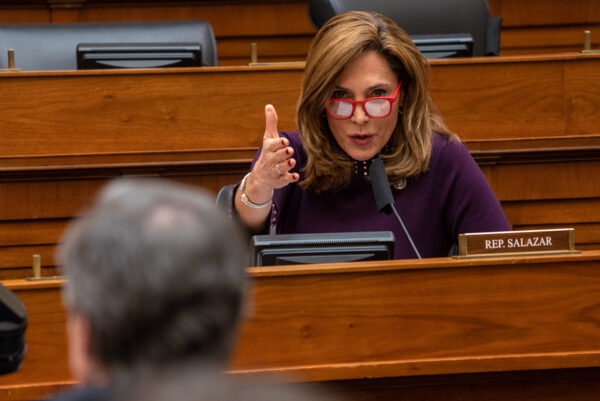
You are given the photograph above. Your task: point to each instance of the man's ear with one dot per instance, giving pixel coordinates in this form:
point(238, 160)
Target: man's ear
point(84, 368)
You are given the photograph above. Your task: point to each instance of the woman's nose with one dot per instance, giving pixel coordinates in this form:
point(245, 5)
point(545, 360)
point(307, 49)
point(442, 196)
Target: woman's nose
point(359, 116)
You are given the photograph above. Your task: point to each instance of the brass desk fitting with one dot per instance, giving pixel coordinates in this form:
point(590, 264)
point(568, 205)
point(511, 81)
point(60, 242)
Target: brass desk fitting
point(587, 43)
point(37, 270)
point(11, 62)
point(254, 59)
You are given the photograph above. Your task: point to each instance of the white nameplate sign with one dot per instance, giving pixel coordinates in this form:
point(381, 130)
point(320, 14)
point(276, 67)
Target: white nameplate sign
point(509, 243)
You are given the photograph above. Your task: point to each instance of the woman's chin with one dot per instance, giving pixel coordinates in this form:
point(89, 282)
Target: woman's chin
point(362, 155)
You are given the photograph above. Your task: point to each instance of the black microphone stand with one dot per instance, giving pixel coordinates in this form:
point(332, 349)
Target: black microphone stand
point(383, 196)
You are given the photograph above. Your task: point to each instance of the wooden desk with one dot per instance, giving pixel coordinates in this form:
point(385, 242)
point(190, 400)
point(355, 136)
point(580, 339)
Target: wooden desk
point(398, 329)
point(530, 122)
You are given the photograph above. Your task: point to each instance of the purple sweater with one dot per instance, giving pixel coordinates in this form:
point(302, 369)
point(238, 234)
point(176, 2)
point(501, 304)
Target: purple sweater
point(451, 198)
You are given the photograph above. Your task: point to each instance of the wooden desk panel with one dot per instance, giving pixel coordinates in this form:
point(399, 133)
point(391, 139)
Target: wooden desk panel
point(405, 320)
point(480, 101)
point(220, 108)
point(189, 109)
point(518, 98)
point(582, 102)
point(541, 27)
point(423, 311)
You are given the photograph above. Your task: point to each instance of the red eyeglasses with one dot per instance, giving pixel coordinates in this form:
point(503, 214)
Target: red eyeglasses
point(375, 107)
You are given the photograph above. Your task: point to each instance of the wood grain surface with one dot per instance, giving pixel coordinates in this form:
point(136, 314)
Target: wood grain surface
point(220, 108)
point(394, 319)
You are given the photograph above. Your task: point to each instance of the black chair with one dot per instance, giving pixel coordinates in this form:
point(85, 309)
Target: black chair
point(41, 47)
point(13, 323)
point(225, 197)
point(421, 17)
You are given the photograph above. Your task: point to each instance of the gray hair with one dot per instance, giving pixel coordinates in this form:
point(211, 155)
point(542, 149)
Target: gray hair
point(159, 272)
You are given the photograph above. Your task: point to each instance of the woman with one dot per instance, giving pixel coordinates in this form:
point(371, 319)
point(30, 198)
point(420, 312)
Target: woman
point(365, 94)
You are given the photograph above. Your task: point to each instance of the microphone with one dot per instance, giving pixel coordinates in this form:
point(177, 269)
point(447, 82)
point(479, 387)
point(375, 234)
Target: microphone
point(383, 195)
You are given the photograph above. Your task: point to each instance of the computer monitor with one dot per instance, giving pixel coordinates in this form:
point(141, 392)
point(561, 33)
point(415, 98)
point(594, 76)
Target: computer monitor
point(138, 55)
point(291, 249)
point(444, 45)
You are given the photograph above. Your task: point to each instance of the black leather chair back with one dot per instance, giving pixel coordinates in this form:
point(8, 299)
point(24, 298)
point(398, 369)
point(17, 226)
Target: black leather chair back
point(41, 47)
point(225, 197)
point(420, 17)
point(13, 323)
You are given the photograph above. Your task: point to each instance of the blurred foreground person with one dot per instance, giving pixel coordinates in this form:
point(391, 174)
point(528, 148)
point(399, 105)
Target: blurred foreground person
point(155, 279)
point(191, 384)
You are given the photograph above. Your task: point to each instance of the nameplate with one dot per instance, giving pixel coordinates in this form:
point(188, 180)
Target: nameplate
point(511, 243)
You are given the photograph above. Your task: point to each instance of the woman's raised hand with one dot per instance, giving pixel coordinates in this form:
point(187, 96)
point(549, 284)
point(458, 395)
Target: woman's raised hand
point(272, 169)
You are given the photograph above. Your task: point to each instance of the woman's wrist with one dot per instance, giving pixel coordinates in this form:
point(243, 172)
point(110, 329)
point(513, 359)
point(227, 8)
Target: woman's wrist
point(253, 198)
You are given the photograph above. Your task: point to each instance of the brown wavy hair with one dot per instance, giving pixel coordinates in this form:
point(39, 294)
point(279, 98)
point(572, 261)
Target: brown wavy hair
point(340, 41)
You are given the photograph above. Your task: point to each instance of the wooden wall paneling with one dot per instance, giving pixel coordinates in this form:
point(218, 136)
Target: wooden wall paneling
point(16, 261)
point(36, 222)
point(29, 15)
point(541, 181)
point(236, 51)
point(544, 40)
point(554, 211)
point(229, 19)
point(551, 194)
point(69, 191)
point(30, 232)
point(283, 30)
point(37, 201)
point(50, 166)
point(587, 234)
point(46, 199)
point(522, 189)
point(62, 11)
point(537, 26)
point(582, 215)
point(514, 12)
point(545, 12)
point(20, 240)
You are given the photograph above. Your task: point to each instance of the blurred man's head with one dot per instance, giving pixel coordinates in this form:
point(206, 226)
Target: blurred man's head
point(192, 383)
point(155, 276)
